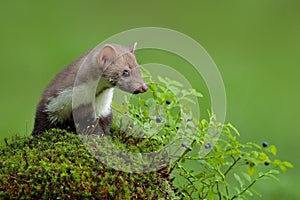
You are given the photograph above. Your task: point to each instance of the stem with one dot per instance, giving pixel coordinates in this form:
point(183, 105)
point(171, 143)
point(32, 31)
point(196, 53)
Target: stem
point(190, 196)
point(248, 187)
point(227, 192)
point(188, 178)
point(225, 183)
point(219, 193)
point(231, 166)
point(176, 162)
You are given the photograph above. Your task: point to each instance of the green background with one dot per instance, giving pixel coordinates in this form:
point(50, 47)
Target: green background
point(255, 44)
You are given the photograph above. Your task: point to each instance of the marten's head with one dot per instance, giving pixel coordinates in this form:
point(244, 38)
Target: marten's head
point(121, 68)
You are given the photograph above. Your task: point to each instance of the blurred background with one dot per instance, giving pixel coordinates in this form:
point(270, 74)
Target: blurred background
point(255, 44)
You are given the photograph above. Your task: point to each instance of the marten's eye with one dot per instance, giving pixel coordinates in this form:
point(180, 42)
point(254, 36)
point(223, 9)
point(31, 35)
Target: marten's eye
point(126, 73)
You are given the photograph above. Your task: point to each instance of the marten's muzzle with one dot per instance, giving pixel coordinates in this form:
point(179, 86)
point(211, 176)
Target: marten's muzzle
point(142, 89)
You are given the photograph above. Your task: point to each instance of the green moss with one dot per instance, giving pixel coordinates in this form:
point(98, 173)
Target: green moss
point(57, 165)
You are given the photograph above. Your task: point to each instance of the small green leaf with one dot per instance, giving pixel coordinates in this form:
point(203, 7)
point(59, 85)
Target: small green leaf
point(249, 192)
point(237, 189)
point(188, 100)
point(175, 83)
point(146, 113)
point(152, 87)
point(247, 177)
point(233, 128)
point(277, 162)
point(281, 165)
point(288, 164)
point(273, 150)
point(282, 168)
point(161, 79)
point(251, 170)
point(237, 177)
point(196, 93)
point(271, 175)
point(263, 157)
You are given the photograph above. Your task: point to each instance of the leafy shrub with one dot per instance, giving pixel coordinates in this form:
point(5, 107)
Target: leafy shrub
point(230, 168)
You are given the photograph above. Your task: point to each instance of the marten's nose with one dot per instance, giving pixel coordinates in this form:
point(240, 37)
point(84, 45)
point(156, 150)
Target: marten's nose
point(142, 89)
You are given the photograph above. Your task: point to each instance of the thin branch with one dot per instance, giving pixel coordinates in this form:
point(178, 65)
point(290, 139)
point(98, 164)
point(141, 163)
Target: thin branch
point(247, 188)
point(232, 165)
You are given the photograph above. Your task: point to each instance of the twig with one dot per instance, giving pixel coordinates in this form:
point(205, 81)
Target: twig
point(231, 166)
point(246, 188)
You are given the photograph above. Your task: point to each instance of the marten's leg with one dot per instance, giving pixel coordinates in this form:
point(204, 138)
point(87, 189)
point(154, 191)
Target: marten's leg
point(85, 120)
point(105, 123)
point(41, 122)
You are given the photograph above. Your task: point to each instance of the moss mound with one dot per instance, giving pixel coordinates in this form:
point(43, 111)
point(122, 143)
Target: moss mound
point(56, 165)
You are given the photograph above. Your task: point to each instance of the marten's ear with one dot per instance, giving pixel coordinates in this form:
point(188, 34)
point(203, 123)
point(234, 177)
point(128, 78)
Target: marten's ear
point(108, 54)
point(133, 48)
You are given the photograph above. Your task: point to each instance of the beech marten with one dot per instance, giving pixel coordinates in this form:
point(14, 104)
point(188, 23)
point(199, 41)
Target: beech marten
point(79, 97)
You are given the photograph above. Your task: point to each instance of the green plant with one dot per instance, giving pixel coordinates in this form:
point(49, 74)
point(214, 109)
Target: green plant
point(230, 168)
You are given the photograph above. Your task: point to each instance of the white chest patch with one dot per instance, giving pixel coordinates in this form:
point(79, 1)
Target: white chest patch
point(60, 107)
point(103, 102)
